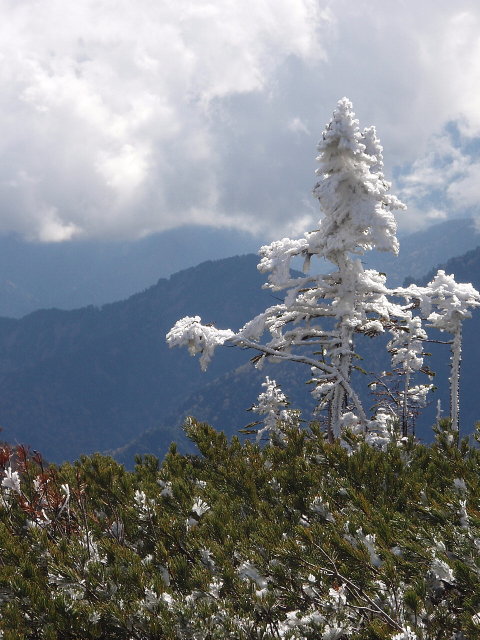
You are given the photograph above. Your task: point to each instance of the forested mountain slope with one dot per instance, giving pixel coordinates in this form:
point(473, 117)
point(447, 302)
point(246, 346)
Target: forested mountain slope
point(91, 379)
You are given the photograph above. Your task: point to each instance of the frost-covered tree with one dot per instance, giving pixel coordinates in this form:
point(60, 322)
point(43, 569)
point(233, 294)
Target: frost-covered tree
point(272, 407)
point(357, 216)
point(406, 349)
point(320, 316)
point(316, 323)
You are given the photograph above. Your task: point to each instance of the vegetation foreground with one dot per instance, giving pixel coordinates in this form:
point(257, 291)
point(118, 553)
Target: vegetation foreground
point(298, 539)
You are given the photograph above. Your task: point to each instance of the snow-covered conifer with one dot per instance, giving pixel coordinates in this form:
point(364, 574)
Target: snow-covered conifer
point(451, 303)
point(316, 323)
point(352, 191)
point(353, 197)
point(272, 406)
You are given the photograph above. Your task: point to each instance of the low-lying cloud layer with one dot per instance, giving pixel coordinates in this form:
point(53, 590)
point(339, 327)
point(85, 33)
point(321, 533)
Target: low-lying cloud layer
point(119, 118)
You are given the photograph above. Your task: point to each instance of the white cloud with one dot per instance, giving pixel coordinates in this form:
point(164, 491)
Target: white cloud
point(465, 192)
point(298, 126)
point(445, 181)
point(121, 118)
point(51, 228)
point(124, 169)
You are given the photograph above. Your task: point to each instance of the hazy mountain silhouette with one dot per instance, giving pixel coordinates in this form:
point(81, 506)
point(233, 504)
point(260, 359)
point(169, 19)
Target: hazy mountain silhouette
point(423, 250)
point(69, 275)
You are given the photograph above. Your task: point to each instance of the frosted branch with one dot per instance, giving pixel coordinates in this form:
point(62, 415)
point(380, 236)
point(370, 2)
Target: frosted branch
point(198, 338)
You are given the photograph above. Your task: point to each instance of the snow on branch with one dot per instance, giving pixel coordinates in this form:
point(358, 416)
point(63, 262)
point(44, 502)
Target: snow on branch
point(451, 301)
point(276, 258)
point(197, 337)
point(444, 303)
point(406, 345)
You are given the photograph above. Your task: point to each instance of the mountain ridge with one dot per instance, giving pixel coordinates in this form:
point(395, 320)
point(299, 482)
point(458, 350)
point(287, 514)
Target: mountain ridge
point(81, 273)
point(84, 380)
point(75, 274)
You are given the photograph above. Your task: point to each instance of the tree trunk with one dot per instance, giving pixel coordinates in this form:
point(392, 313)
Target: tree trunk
point(456, 358)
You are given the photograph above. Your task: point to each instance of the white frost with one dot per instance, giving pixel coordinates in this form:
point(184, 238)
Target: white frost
point(198, 338)
point(441, 571)
point(272, 404)
point(11, 480)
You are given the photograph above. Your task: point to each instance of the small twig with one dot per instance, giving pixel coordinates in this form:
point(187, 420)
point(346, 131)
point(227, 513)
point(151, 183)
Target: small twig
point(360, 592)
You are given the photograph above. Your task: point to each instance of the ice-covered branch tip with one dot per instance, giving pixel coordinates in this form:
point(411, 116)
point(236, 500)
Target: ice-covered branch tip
point(452, 300)
point(198, 338)
point(276, 258)
point(444, 303)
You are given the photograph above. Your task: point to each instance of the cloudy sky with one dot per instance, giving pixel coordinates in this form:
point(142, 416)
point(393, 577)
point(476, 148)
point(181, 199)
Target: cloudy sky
point(120, 117)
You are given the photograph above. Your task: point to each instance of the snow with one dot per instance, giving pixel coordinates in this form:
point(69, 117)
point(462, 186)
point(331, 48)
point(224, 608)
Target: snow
point(272, 405)
point(200, 507)
point(11, 481)
point(368, 541)
point(249, 571)
point(459, 484)
point(441, 571)
point(198, 338)
point(406, 634)
point(451, 300)
point(276, 258)
point(406, 345)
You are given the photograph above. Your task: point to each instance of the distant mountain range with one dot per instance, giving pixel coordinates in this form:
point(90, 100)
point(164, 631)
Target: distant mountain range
point(70, 275)
point(76, 274)
point(91, 379)
point(424, 250)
